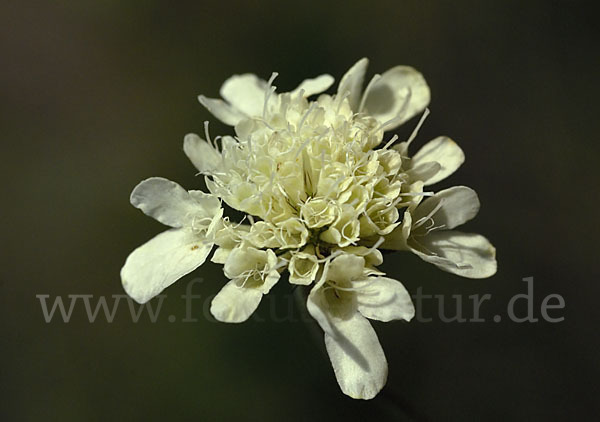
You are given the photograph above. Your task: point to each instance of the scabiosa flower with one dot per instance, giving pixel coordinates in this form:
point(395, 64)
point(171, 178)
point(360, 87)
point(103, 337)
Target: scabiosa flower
point(322, 193)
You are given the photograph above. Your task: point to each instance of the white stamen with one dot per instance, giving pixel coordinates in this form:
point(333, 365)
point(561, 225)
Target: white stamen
point(310, 109)
point(390, 142)
point(429, 216)
point(416, 130)
point(206, 134)
point(268, 91)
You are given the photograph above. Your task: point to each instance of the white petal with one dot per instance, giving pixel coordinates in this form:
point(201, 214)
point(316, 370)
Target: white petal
point(465, 254)
point(161, 261)
point(357, 357)
point(165, 201)
point(442, 150)
point(242, 259)
point(386, 100)
point(459, 205)
point(246, 93)
point(203, 156)
point(317, 307)
point(222, 111)
point(235, 304)
point(315, 85)
point(352, 83)
point(346, 267)
point(385, 299)
point(209, 203)
point(220, 255)
point(424, 172)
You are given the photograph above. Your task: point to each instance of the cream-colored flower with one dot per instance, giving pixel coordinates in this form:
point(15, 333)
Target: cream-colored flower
point(304, 266)
point(252, 272)
point(322, 191)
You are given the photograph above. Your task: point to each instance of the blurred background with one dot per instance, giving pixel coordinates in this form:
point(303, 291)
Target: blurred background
point(97, 95)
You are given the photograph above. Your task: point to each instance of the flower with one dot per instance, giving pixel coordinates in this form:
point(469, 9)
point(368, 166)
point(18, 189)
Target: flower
point(322, 193)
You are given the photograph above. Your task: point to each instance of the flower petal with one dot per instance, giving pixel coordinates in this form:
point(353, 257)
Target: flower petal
point(222, 111)
point(352, 82)
point(166, 201)
point(202, 155)
point(161, 261)
point(357, 357)
point(246, 93)
point(209, 203)
point(442, 150)
point(315, 85)
point(235, 304)
point(220, 255)
point(385, 299)
point(387, 97)
point(465, 254)
point(424, 172)
point(459, 204)
point(346, 267)
point(319, 308)
point(396, 240)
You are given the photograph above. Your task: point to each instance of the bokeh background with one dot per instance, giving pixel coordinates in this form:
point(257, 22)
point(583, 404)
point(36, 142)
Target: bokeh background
point(97, 95)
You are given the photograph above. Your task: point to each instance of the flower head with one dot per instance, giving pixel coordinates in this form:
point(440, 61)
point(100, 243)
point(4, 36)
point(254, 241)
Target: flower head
point(323, 191)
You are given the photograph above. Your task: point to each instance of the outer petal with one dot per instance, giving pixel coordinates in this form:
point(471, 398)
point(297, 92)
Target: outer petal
point(357, 357)
point(315, 85)
point(222, 111)
point(352, 83)
point(460, 204)
point(165, 201)
point(235, 304)
point(387, 97)
point(385, 299)
point(203, 156)
point(161, 261)
point(317, 307)
point(424, 172)
point(210, 204)
point(465, 254)
point(246, 93)
point(442, 150)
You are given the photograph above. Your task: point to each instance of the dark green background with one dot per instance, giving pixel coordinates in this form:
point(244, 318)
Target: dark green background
point(97, 96)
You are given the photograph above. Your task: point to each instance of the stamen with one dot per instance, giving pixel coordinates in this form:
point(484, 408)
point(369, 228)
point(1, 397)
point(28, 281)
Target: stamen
point(302, 147)
point(268, 91)
point(417, 194)
point(206, 134)
point(429, 216)
point(310, 109)
point(427, 251)
point(416, 130)
point(440, 227)
point(390, 142)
